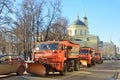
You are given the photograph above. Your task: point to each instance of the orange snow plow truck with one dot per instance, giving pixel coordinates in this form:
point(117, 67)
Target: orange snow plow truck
point(87, 56)
point(97, 56)
point(55, 56)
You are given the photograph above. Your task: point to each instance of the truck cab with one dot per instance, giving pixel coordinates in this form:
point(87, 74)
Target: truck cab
point(97, 56)
point(86, 56)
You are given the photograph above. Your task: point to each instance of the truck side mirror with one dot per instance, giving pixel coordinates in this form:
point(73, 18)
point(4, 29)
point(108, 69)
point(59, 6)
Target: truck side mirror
point(91, 52)
point(61, 48)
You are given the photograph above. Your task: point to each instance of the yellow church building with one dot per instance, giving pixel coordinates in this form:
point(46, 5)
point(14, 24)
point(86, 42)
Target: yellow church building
point(79, 33)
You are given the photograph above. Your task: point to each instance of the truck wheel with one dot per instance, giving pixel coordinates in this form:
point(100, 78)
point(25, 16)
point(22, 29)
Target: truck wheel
point(71, 69)
point(63, 72)
point(94, 63)
point(101, 61)
point(89, 65)
point(47, 73)
point(20, 71)
point(77, 66)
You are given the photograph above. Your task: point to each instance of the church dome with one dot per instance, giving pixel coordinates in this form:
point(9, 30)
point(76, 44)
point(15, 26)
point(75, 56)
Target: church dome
point(78, 22)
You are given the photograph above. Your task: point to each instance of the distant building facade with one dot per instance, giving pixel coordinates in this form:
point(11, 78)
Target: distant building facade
point(109, 49)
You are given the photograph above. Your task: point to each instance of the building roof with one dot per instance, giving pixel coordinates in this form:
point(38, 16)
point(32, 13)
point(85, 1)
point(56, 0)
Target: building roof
point(78, 22)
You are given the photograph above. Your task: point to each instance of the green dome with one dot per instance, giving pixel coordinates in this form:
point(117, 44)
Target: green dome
point(78, 22)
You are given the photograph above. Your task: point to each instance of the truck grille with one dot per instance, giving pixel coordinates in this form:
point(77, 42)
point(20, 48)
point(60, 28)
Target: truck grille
point(45, 60)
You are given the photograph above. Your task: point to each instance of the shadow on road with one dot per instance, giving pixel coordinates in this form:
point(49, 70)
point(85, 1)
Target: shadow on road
point(10, 77)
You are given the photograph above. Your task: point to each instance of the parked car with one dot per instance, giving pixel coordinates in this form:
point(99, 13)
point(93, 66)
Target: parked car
point(12, 64)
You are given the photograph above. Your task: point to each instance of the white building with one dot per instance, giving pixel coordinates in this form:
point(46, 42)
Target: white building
point(79, 33)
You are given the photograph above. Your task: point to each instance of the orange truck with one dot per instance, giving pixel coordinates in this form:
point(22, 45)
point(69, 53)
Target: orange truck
point(97, 56)
point(55, 56)
point(87, 57)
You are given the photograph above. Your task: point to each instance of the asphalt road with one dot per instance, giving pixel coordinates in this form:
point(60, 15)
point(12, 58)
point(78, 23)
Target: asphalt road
point(109, 70)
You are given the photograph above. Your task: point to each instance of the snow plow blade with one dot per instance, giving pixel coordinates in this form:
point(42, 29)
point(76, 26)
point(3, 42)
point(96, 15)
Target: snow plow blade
point(84, 62)
point(37, 69)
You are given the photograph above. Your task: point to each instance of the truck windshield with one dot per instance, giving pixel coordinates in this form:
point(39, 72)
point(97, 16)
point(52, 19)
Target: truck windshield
point(47, 46)
point(83, 51)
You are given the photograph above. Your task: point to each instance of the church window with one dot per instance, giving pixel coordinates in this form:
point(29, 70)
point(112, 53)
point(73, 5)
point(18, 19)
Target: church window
point(88, 39)
point(75, 32)
point(85, 32)
point(80, 32)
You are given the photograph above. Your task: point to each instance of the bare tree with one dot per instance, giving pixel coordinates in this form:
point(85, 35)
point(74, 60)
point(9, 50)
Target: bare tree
point(6, 5)
point(53, 12)
point(59, 28)
point(32, 18)
point(6, 8)
point(6, 40)
point(28, 20)
point(29, 17)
